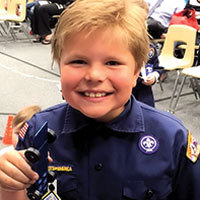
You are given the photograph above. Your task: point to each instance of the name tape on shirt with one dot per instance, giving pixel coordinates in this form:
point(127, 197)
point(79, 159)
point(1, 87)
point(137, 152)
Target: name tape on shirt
point(60, 168)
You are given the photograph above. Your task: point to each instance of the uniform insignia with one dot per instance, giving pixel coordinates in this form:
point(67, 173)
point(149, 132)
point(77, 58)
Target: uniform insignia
point(151, 52)
point(23, 131)
point(60, 168)
point(51, 196)
point(148, 144)
point(192, 148)
point(52, 192)
point(148, 68)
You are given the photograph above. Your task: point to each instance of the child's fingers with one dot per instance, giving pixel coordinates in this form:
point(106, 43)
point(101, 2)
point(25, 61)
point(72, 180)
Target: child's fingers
point(15, 172)
point(50, 158)
point(21, 163)
point(150, 77)
point(149, 80)
point(8, 183)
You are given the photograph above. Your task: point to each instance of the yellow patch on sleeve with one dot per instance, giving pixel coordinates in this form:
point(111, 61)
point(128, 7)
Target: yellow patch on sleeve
point(192, 148)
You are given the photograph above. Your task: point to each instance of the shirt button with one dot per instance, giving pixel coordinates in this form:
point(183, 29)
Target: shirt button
point(149, 194)
point(98, 166)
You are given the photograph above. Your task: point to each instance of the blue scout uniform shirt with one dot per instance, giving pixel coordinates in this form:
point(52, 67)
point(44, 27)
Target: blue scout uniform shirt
point(141, 91)
point(139, 155)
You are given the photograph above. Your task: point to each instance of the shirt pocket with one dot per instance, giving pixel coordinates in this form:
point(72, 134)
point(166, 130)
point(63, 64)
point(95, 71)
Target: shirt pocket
point(147, 190)
point(67, 186)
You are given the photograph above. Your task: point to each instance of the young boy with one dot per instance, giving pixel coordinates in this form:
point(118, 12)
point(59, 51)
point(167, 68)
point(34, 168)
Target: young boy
point(109, 146)
point(148, 76)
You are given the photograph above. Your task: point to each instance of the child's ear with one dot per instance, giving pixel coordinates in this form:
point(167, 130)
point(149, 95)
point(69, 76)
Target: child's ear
point(136, 74)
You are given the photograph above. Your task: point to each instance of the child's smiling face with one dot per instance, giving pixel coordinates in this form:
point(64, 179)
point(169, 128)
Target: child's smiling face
point(97, 73)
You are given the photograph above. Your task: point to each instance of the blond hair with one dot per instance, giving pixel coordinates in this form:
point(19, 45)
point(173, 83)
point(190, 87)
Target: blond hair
point(126, 16)
point(25, 114)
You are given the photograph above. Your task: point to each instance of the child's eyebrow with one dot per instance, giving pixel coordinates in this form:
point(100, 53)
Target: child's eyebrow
point(75, 56)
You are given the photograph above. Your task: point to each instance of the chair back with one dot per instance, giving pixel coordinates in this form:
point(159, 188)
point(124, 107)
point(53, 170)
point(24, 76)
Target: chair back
point(3, 7)
point(14, 7)
point(178, 33)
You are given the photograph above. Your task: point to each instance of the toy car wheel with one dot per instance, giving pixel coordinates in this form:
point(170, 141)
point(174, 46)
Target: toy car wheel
point(51, 176)
point(32, 155)
point(36, 195)
point(51, 136)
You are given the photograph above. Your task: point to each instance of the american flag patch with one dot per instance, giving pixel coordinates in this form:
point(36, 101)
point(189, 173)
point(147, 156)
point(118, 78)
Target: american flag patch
point(23, 131)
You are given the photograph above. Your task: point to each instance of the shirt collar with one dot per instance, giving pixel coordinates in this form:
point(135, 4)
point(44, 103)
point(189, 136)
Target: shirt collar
point(130, 120)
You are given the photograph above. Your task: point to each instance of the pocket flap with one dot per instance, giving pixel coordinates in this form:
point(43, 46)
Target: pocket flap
point(135, 190)
point(154, 189)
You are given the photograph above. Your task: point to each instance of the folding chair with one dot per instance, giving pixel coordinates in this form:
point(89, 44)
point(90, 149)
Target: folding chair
point(193, 73)
point(177, 33)
point(3, 11)
point(3, 7)
point(11, 17)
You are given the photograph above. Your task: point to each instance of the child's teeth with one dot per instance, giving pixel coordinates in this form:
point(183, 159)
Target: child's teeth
point(95, 94)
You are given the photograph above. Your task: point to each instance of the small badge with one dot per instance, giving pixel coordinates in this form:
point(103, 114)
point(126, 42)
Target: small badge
point(51, 196)
point(192, 148)
point(148, 144)
point(146, 70)
point(151, 52)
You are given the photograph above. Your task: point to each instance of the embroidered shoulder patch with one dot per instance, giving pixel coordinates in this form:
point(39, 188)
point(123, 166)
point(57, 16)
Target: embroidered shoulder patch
point(23, 131)
point(192, 148)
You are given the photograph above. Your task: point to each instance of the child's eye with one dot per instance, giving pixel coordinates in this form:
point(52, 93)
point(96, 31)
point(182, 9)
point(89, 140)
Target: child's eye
point(80, 62)
point(112, 63)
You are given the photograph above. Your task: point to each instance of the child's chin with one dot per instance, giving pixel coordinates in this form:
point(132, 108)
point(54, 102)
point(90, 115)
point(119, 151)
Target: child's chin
point(103, 117)
point(94, 116)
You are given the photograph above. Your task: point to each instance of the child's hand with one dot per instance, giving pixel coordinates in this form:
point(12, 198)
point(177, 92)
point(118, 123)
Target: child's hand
point(15, 172)
point(150, 79)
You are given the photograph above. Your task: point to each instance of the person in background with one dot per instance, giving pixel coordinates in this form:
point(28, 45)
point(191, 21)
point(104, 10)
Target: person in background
point(20, 119)
point(42, 22)
point(159, 16)
point(152, 71)
point(109, 145)
point(195, 4)
point(30, 10)
point(18, 122)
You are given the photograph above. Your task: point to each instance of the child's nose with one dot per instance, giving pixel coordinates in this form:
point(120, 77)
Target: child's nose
point(96, 72)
